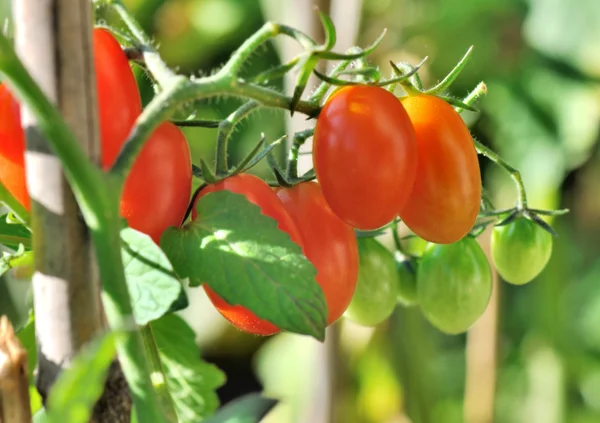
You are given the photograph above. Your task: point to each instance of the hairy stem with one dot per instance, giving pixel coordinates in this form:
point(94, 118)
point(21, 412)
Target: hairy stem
point(226, 129)
point(299, 139)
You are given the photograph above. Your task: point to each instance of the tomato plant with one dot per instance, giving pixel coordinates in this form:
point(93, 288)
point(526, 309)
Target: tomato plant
point(444, 201)
point(520, 250)
point(454, 284)
point(364, 155)
point(259, 193)
point(376, 291)
point(329, 243)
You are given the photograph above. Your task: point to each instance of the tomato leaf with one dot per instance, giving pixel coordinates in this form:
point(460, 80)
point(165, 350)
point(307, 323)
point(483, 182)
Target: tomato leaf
point(191, 381)
point(13, 234)
point(151, 280)
point(77, 389)
point(250, 408)
point(242, 255)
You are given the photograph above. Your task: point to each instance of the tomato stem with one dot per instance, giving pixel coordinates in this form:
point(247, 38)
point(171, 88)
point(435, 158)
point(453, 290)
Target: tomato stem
point(514, 173)
point(159, 379)
point(292, 165)
point(473, 97)
point(225, 130)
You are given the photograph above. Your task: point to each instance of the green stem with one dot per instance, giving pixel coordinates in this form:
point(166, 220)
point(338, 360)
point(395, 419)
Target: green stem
point(159, 70)
point(159, 380)
point(161, 107)
point(479, 91)
point(14, 205)
point(100, 208)
point(115, 299)
point(514, 173)
point(292, 165)
point(226, 129)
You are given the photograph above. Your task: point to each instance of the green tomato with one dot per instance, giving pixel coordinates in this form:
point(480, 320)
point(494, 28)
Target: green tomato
point(374, 299)
point(407, 282)
point(520, 250)
point(454, 284)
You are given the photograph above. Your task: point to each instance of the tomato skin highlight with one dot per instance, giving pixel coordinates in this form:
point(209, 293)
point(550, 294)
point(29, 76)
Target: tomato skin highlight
point(374, 299)
point(454, 284)
point(445, 198)
point(259, 193)
point(329, 244)
point(364, 155)
point(157, 190)
point(520, 250)
point(12, 148)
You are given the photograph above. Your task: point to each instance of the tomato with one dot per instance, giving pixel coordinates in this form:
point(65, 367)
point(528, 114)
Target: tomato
point(119, 102)
point(520, 250)
point(454, 284)
point(364, 155)
point(259, 193)
point(119, 106)
point(329, 244)
point(374, 299)
point(157, 190)
point(445, 199)
point(12, 146)
point(407, 282)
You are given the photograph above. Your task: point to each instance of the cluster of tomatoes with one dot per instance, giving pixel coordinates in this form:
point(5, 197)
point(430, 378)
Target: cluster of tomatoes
point(157, 191)
point(376, 158)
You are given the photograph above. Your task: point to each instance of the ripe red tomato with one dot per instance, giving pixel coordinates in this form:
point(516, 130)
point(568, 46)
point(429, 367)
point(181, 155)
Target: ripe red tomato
point(259, 193)
point(119, 102)
point(157, 191)
point(12, 146)
point(329, 243)
point(364, 155)
point(445, 198)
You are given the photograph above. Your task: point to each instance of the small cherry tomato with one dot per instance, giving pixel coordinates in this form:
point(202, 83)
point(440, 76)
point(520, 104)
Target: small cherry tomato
point(445, 199)
point(259, 193)
point(520, 250)
point(329, 244)
point(374, 299)
point(454, 284)
point(364, 155)
point(157, 191)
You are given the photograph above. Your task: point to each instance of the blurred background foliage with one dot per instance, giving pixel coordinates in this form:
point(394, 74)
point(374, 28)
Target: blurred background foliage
point(539, 353)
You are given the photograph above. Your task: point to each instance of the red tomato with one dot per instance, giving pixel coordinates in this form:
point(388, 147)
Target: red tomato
point(260, 194)
point(329, 243)
point(161, 178)
point(157, 191)
point(12, 146)
point(364, 155)
point(445, 198)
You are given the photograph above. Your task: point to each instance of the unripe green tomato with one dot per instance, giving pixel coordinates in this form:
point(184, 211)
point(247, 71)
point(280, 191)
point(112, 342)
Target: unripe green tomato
point(520, 250)
point(454, 284)
point(407, 282)
point(374, 299)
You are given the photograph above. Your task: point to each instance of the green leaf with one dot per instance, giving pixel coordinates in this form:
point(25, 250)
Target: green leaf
point(14, 259)
point(13, 234)
point(151, 280)
point(306, 69)
point(329, 30)
point(242, 255)
point(250, 408)
point(191, 381)
point(26, 335)
point(77, 389)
